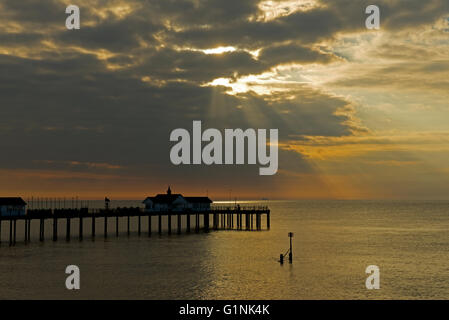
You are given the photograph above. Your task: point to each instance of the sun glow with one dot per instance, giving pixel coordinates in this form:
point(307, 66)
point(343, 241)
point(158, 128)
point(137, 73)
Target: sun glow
point(219, 50)
point(279, 79)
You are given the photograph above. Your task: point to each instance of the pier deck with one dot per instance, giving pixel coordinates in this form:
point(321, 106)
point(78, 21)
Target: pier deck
point(245, 218)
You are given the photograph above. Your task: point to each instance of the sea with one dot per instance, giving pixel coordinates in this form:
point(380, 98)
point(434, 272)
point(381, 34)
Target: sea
point(333, 244)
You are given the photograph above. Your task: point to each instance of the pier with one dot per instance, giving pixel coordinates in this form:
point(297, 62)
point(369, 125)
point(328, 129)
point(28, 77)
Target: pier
point(239, 218)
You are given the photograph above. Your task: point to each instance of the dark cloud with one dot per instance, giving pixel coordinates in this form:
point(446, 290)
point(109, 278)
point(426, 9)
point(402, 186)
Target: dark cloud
point(318, 23)
point(114, 35)
point(187, 13)
point(31, 11)
point(322, 22)
point(283, 54)
point(198, 66)
point(77, 110)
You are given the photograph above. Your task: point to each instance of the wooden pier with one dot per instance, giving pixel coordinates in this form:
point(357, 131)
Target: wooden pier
point(249, 218)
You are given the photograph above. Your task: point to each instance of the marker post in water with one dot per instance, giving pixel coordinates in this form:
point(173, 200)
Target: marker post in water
point(290, 253)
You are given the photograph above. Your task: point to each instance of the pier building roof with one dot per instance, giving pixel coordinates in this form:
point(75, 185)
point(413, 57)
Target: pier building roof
point(12, 201)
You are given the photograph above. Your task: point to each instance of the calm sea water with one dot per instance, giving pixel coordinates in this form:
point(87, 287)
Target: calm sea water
point(334, 241)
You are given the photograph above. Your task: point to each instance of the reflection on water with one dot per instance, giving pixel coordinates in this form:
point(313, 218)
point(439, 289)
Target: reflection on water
point(334, 242)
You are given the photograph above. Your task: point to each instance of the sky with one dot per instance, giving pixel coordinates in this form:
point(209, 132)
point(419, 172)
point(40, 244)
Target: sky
point(361, 114)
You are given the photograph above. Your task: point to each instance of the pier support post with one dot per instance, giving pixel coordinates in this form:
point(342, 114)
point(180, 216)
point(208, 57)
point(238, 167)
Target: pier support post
point(25, 231)
point(197, 223)
point(106, 224)
point(138, 225)
point(67, 233)
point(29, 230)
point(149, 225)
point(206, 222)
point(188, 223)
point(55, 228)
point(116, 225)
point(42, 230)
point(247, 221)
point(160, 224)
point(128, 231)
point(169, 223)
point(93, 224)
point(81, 227)
point(251, 217)
point(179, 223)
point(15, 225)
point(10, 232)
point(268, 220)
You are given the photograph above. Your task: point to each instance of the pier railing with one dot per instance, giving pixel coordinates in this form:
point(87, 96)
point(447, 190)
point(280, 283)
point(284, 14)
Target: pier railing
point(238, 207)
point(133, 211)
